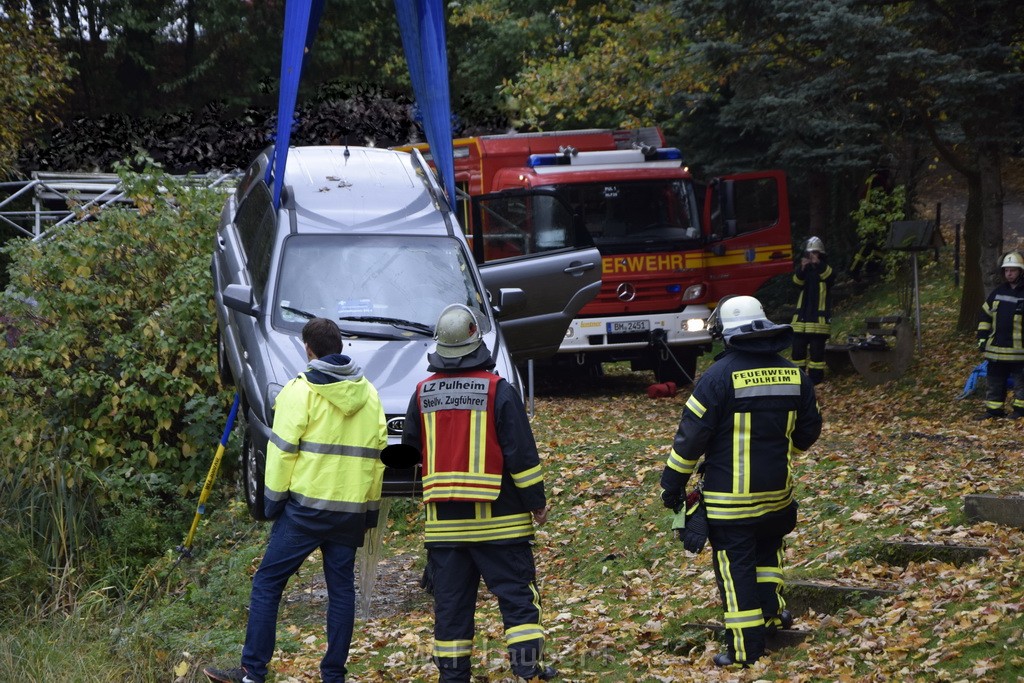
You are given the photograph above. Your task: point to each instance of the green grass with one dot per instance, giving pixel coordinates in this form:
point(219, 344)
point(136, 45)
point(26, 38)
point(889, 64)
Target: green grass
point(619, 594)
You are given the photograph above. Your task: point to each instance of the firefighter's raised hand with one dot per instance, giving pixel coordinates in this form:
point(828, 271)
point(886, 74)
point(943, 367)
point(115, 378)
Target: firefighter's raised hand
point(540, 516)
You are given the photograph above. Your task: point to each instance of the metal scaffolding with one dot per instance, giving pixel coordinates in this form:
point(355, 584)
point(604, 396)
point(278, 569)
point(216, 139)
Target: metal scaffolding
point(59, 199)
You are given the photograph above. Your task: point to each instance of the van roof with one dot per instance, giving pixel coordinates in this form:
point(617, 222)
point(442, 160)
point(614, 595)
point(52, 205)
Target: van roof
point(360, 189)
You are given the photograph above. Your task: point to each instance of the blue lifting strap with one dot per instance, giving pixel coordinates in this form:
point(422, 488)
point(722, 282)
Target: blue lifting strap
point(421, 23)
point(301, 18)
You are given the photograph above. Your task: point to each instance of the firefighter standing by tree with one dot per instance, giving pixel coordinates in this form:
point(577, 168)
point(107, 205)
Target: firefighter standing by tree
point(1001, 338)
point(748, 415)
point(483, 492)
point(812, 322)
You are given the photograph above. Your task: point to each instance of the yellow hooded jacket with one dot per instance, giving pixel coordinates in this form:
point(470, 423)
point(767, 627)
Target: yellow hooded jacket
point(323, 460)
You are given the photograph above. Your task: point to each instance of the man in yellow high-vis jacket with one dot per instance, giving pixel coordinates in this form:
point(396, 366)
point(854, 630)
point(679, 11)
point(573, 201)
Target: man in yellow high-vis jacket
point(323, 486)
point(483, 491)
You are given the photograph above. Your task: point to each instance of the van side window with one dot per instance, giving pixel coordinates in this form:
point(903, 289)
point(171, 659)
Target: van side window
point(256, 220)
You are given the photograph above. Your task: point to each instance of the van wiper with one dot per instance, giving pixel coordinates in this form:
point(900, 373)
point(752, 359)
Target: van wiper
point(298, 311)
point(409, 325)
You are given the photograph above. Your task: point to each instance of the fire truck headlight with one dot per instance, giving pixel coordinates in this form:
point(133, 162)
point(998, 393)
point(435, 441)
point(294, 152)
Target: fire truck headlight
point(570, 333)
point(695, 325)
point(693, 292)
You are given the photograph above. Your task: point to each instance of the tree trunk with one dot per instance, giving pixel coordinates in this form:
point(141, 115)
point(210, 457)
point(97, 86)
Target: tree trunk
point(983, 234)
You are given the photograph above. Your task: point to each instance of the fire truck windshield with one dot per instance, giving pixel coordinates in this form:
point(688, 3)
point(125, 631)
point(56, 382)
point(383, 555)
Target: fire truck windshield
point(638, 216)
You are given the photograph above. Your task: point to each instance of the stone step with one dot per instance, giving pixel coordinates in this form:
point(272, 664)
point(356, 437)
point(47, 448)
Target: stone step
point(902, 553)
point(824, 598)
point(989, 507)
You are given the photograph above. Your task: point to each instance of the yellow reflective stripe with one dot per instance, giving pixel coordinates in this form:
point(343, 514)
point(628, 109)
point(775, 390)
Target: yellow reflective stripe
point(681, 464)
point(437, 493)
point(523, 633)
point(741, 452)
point(748, 498)
point(728, 587)
point(453, 648)
point(477, 440)
point(527, 477)
point(790, 426)
point(481, 479)
point(475, 530)
point(769, 575)
point(695, 406)
point(715, 512)
point(430, 435)
point(745, 619)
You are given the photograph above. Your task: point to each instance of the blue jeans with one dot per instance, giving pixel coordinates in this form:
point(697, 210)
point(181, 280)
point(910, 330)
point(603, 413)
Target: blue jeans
point(288, 548)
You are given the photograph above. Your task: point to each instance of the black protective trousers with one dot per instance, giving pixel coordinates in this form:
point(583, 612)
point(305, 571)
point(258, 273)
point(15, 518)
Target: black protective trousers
point(998, 375)
point(510, 574)
point(809, 354)
point(748, 569)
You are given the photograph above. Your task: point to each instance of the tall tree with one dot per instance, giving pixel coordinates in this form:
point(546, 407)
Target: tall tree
point(33, 76)
point(834, 82)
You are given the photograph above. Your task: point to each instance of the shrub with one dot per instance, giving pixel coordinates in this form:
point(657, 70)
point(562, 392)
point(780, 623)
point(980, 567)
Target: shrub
point(111, 392)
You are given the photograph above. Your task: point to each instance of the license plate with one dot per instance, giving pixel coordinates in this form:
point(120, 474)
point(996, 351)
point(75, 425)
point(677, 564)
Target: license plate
point(628, 326)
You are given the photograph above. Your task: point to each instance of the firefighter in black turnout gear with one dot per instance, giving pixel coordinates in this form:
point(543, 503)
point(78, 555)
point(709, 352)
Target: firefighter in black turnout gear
point(1001, 339)
point(483, 491)
point(812, 322)
point(750, 413)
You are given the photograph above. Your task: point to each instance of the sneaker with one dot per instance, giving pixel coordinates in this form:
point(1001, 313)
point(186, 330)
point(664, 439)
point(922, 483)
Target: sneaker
point(239, 675)
point(546, 674)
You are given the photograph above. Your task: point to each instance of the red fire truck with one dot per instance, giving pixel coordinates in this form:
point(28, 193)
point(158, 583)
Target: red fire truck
point(670, 248)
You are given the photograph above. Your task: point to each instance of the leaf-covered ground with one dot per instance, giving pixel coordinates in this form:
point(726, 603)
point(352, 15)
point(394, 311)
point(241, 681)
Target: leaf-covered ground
point(620, 595)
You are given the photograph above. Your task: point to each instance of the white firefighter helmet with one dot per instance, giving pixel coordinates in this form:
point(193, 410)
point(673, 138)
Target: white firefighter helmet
point(1013, 260)
point(815, 244)
point(741, 315)
point(457, 333)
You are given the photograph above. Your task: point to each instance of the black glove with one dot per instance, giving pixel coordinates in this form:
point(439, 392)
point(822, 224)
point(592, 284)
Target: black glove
point(672, 500)
point(695, 534)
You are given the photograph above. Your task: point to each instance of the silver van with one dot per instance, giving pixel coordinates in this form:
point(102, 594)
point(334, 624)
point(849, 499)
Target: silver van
point(366, 237)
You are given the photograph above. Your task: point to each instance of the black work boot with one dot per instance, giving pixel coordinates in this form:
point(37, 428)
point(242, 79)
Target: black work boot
point(723, 660)
point(783, 620)
point(546, 673)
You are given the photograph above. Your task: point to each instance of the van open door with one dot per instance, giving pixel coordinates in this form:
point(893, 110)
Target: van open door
point(530, 241)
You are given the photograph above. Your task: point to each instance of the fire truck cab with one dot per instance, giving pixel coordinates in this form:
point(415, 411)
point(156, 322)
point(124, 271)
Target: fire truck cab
point(670, 248)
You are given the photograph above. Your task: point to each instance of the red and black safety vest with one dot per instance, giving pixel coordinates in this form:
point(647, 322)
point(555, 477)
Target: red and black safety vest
point(462, 460)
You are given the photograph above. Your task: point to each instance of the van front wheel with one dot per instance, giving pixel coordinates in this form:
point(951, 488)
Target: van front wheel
point(253, 467)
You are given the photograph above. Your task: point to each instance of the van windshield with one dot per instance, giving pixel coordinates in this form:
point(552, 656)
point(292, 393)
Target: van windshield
point(373, 281)
point(637, 216)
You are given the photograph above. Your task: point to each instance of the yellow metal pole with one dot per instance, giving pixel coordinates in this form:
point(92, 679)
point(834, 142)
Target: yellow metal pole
point(210, 477)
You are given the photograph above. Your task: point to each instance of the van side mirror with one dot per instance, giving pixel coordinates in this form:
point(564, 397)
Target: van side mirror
point(239, 298)
point(510, 300)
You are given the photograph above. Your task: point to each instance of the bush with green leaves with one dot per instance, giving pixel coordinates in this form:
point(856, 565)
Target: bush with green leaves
point(111, 397)
point(873, 216)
